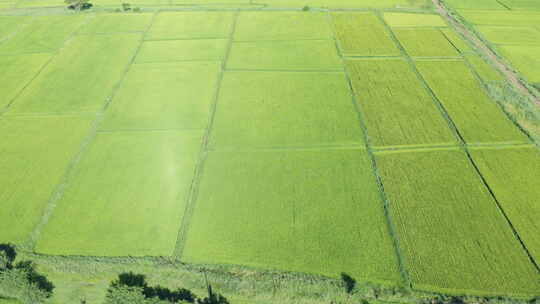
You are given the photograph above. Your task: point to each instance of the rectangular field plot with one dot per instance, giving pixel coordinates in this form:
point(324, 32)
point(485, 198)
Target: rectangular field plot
point(182, 50)
point(147, 173)
point(425, 43)
point(42, 34)
point(403, 19)
point(525, 58)
point(363, 34)
point(456, 41)
point(510, 35)
point(164, 96)
point(284, 55)
point(81, 77)
point(451, 233)
point(522, 4)
point(476, 4)
point(310, 211)
point(477, 117)
point(186, 25)
point(34, 155)
point(116, 23)
point(17, 72)
point(512, 174)
point(252, 26)
point(347, 3)
point(484, 69)
point(509, 18)
point(398, 110)
point(274, 109)
point(10, 24)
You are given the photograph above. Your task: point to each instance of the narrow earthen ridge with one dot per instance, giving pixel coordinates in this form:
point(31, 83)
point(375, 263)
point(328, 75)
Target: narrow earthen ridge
point(510, 75)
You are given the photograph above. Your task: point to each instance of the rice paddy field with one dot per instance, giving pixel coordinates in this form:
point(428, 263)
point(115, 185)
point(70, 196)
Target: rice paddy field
point(269, 146)
point(510, 27)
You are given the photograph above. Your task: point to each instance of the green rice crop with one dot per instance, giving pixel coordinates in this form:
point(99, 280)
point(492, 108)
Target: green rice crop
point(17, 72)
point(404, 19)
point(512, 174)
point(81, 77)
point(42, 34)
point(285, 55)
point(509, 18)
point(310, 211)
point(9, 24)
point(347, 3)
point(270, 25)
point(39, 3)
point(164, 96)
point(522, 4)
point(510, 35)
point(6, 6)
point(115, 23)
point(425, 43)
point(182, 25)
point(363, 34)
point(476, 4)
point(34, 155)
point(452, 236)
point(525, 58)
point(456, 41)
point(397, 108)
point(484, 69)
point(147, 173)
point(182, 50)
point(477, 117)
point(262, 109)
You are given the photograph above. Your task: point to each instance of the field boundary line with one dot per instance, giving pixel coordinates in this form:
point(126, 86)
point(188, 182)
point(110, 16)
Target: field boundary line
point(85, 145)
point(203, 153)
point(286, 71)
point(465, 149)
point(21, 27)
point(403, 272)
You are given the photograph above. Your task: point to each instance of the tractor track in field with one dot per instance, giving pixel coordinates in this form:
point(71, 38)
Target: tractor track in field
point(511, 76)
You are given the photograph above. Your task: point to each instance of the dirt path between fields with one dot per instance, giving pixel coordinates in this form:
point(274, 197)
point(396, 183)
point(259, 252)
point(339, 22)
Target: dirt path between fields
point(510, 75)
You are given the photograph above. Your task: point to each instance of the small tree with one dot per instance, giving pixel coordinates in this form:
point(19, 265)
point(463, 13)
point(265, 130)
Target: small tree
point(78, 4)
point(348, 282)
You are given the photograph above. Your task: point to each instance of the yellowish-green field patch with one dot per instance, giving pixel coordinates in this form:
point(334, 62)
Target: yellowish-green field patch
point(252, 26)
point(42, 34)
point(117, 23)
point(185, 25)
point(285, 55)
point(397, 108)
point(452, 235)
point(403, 19)
point(512, 175)
point(17, 72)
point(164, 96)
point(182, 50)
point(34, 156)
point(310, 211)
point(510, 35)
point(477, 117)
point(274, 109)
point(425, 43)
point(525, 58)
point(81, 77)
point(484, 69)
point(136, 205)
point(362, 34)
